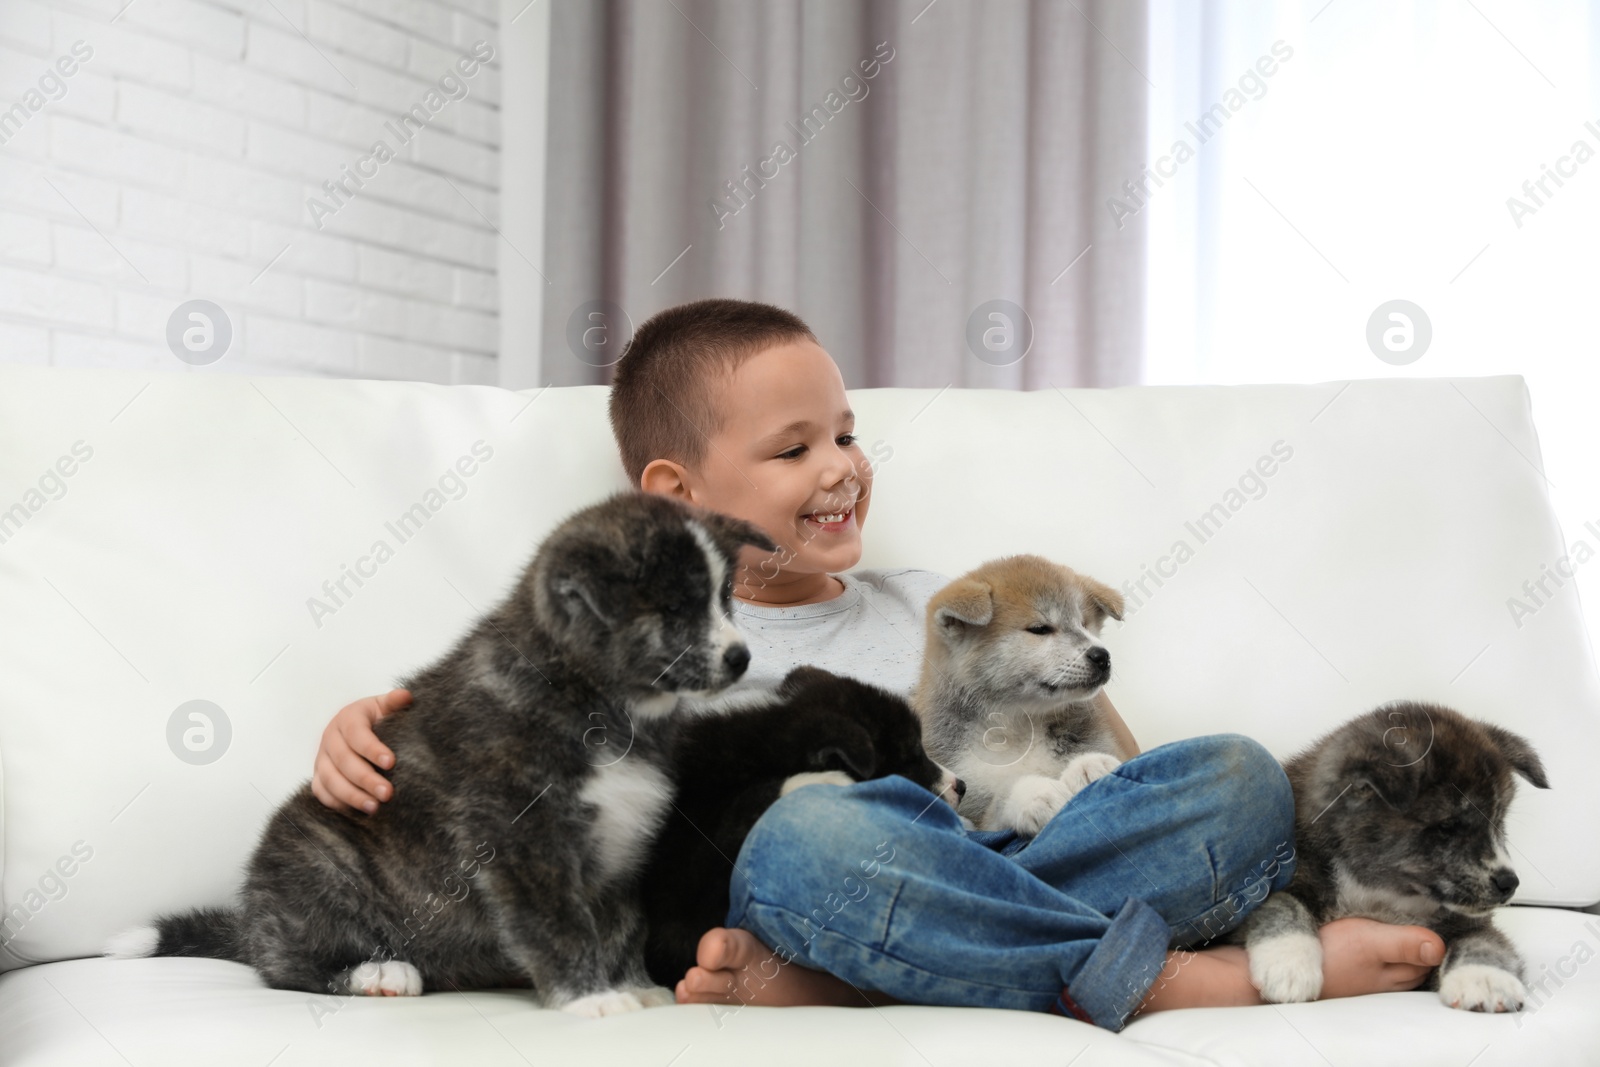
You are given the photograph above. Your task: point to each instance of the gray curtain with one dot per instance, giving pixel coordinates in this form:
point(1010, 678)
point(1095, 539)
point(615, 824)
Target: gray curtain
point(973, 165)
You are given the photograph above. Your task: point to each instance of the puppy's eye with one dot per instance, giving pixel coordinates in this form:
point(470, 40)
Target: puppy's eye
point(1042, 628)
point(1453, 824)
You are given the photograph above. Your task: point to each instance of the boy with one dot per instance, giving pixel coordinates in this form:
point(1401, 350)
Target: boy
point(875, 889)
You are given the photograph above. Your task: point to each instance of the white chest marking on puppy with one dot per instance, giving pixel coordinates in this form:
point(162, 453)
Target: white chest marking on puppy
point(655, 705)
point(630, 799)
point(730, 701)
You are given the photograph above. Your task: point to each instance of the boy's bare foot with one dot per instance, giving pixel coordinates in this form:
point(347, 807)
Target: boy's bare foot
point(734, 967)
point(1359, 956)
point(1366, 956)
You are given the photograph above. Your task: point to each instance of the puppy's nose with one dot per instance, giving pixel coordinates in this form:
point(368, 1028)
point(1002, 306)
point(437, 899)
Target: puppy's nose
point(960, 787)
point(1098, 658)
point(737, 657)
point(1506, 880)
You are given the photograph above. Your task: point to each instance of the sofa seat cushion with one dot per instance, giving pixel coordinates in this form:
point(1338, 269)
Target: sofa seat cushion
point(174, 1012)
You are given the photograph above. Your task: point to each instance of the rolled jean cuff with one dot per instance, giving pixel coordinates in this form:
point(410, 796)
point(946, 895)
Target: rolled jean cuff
point(1119, 972)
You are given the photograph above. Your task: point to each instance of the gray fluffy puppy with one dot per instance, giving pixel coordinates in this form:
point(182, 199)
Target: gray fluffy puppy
point(1400, 816)
point(531, 772)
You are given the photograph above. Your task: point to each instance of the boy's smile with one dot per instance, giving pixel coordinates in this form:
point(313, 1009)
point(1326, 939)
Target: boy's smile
point(787, 460)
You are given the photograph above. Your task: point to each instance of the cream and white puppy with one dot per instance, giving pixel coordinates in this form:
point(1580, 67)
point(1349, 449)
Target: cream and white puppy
point(1011, 669)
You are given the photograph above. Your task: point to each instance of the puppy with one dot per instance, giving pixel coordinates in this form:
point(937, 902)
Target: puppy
point(1011, 666)
point(1400, 816)
point(816, 727)
point(510, 853)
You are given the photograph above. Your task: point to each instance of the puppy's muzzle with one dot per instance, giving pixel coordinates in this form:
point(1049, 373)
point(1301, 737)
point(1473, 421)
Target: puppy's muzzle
point(1099, 661)
point(951, 788)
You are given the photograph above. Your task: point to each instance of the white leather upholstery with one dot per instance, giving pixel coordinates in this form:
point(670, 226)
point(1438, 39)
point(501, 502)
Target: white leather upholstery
point(178, 563)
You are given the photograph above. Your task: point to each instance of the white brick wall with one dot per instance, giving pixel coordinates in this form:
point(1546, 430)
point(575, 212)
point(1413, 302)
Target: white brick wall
point(178, 166)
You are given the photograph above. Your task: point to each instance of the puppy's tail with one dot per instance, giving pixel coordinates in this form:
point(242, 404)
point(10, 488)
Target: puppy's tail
point(213, 933)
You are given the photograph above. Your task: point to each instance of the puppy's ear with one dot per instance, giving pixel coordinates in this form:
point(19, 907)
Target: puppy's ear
point(1102, 598)
point(802, 677)
point(580, 595)
point(851, 753)
point(1523, 759)
point(964, 602)
point(736, 532)
point(1395, 785)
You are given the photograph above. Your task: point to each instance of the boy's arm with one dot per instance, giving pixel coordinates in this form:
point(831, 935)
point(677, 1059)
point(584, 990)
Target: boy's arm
point(1119, 729)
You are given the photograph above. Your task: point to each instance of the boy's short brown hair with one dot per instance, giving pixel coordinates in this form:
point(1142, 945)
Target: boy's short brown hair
point(663, 402)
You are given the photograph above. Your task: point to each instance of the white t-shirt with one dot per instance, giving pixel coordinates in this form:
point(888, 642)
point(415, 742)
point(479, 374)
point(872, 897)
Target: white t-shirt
point(873, 631)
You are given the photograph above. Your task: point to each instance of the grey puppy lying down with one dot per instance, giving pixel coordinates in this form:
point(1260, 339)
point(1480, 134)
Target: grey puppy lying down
point(510, 853)
point(1400, 816)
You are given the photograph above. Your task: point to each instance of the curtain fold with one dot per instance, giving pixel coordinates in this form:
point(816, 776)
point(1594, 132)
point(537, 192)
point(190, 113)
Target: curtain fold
point(887, 170)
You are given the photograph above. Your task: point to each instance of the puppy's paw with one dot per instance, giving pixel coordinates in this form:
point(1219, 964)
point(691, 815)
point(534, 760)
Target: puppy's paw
point(1480, 987)
point(605, 1002)
point(1033, 802)
point(1082, 770)
point(1287, 969)
point(795, 781)
point(652, 996)
point(390, 978)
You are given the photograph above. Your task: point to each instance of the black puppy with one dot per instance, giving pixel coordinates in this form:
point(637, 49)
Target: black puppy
point(730, 768)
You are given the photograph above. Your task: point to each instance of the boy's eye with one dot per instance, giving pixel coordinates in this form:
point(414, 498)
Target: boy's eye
point(845, 440)
point(1041, 628)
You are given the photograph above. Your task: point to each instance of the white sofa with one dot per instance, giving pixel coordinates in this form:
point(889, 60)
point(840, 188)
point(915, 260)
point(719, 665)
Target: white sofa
point(165, 539)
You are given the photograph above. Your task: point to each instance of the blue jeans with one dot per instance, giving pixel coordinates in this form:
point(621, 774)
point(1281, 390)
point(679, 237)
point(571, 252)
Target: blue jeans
point(879, 883)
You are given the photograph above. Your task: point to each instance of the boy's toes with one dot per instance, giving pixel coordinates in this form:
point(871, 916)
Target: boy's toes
point(714, 950)
point(700, 986)
point(728, 949)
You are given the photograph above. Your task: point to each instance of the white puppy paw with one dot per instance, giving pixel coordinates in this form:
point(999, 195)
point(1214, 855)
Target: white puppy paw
point(1082, 770)
point(1287, 969)
point(795, 781)
point(1033, 801)
point(652, 996)
point(1480, 987)
point(391, 978)
point(605, 1002)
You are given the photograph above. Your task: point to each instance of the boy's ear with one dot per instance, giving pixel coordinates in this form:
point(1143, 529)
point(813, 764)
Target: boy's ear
point(964, 602)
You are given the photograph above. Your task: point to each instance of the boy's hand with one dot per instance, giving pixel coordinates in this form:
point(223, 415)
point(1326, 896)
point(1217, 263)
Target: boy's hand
point(344, 778)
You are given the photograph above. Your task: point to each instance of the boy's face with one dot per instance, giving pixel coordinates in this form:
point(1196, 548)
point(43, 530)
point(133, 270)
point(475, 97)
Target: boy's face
point(762, 470)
